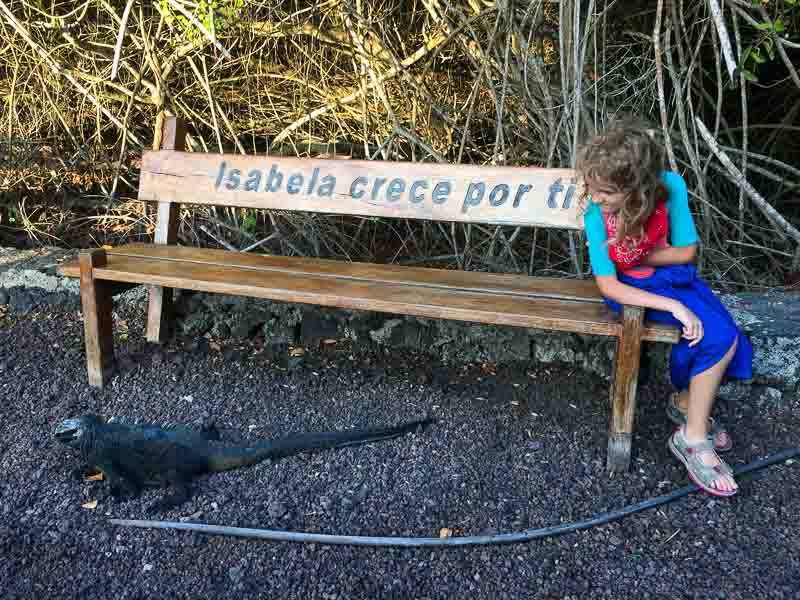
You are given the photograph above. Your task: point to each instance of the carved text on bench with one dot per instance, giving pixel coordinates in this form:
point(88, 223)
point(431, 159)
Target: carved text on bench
point(387, 189)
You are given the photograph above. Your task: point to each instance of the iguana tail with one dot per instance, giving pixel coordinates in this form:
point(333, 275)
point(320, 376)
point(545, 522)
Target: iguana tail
point(224, 459)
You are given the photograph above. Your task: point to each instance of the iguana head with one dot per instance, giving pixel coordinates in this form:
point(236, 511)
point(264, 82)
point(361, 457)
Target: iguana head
point(70, 432)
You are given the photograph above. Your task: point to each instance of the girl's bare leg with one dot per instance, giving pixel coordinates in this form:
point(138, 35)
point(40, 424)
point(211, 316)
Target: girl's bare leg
point(682, 403)
point(701, 394)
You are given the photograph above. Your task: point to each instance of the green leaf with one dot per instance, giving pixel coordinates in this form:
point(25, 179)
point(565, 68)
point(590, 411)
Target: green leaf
point(250, 223)
point(778, 26)
point(757, 58)
point(750, 76)
point(746, 54)
point(791, 2)
point(769, 44)
point(762, 26)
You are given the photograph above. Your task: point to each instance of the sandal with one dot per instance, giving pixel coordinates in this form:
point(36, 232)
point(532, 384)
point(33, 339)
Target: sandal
point(701, 474)
point(677, 416)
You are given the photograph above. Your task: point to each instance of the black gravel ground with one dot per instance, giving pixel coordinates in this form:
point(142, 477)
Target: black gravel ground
point(513, 448)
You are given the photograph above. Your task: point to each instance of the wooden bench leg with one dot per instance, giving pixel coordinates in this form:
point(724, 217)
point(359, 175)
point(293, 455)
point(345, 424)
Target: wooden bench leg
point(97, 302)
point(170, 135)
point(623, 390)
point(159, 314)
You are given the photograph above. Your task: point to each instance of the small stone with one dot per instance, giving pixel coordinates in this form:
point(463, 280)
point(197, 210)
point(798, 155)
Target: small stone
point(293, 362)
point(276, 509)
point(615, 541)
point(221, 330)
point(347, 503)
point(771, 397)
point(325, 502)
point(3, 298)
point(147, 567)
point(363, 492)
point(236, 574)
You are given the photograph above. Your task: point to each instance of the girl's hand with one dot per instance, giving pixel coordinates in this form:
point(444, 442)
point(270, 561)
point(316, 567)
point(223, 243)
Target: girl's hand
point(692, 326)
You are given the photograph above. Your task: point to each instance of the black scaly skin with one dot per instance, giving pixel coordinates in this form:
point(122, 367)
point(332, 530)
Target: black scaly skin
point(132, 456)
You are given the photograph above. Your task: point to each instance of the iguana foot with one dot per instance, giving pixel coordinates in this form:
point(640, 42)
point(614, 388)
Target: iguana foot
point(182, 492)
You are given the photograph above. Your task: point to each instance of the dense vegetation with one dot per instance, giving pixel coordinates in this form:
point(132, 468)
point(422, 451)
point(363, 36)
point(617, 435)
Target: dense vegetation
point(453, 81)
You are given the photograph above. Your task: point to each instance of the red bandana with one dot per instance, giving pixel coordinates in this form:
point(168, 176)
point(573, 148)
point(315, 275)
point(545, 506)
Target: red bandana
point(630, 251)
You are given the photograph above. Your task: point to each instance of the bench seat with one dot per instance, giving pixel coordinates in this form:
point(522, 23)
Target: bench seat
point(501, 299)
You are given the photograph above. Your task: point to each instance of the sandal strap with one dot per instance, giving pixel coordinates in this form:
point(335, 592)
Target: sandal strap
point(692, 452)
point(699, 447)
point(679, 417)
point(675, 414)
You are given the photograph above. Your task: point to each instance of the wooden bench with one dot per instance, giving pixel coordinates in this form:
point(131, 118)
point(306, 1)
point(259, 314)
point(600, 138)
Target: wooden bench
point(489, 195)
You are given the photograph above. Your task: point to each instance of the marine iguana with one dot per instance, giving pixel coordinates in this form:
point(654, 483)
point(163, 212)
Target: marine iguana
point(134, 456)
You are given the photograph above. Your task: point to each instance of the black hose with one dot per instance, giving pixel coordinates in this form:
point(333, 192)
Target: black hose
point(502, 538)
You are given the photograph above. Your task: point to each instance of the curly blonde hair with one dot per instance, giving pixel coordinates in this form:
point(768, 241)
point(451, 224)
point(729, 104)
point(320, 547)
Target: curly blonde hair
point(630, 160)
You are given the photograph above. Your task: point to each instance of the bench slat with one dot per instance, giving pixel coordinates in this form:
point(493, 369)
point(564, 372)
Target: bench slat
point(538, 302)
point(496, 283)
point(545, 313)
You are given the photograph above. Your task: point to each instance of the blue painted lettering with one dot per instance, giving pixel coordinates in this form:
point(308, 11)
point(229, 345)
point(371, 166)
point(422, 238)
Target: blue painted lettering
point(555, 188)
point(233, 179)
point(313, 182)
point(294, 183)
point(394, 190)
point(221, 175)
point(473, 196)
point(273, 180)
point(520, 193)
point(412, 193)
point(441, 191)
point(253, 181)
point(360, 193)
point(326, 187)
point(379, 181)
point(501, 190)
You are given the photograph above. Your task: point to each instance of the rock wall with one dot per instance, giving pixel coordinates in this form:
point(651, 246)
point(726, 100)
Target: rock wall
point(28, 282)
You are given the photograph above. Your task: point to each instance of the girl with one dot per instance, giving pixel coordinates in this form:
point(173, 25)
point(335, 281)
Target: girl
point(642, 245)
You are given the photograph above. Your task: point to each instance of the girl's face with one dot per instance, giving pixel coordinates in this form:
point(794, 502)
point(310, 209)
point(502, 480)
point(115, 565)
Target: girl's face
point(604, 194)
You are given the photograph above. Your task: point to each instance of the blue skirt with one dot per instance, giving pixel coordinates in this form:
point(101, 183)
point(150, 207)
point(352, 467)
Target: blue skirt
point(719, 330)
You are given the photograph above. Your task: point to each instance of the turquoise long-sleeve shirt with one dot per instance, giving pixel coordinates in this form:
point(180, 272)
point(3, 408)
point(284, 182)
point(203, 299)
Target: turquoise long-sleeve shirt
point(682, 230)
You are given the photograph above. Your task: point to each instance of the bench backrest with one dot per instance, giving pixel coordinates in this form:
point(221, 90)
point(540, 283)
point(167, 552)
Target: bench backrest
point(525, 196)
